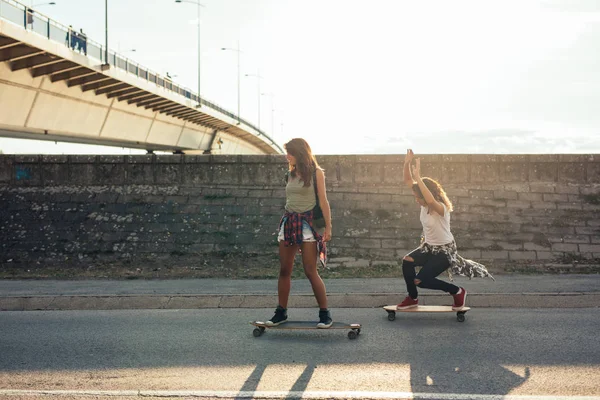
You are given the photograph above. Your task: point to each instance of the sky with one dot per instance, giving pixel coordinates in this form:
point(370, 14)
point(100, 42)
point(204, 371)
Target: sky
point(376, 77)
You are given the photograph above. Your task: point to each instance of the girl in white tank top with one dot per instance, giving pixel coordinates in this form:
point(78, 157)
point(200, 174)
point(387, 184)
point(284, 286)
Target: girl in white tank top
point(437, 252)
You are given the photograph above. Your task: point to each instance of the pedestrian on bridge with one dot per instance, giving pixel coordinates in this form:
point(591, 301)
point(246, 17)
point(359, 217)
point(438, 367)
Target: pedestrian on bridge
point(305, 227)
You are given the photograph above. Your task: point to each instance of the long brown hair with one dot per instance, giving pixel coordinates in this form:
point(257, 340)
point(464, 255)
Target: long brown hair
point(436, 190)
point(306, 162)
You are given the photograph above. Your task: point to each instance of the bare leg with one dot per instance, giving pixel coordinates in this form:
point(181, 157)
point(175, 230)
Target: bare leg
point(309, 261)
point(286, 262)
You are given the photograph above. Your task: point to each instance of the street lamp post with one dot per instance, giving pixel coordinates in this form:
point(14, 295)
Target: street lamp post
point(238, 51)
point(106, 64)
point(106, 31)
point(199, 75)
point(258, 78)
point(272, 96)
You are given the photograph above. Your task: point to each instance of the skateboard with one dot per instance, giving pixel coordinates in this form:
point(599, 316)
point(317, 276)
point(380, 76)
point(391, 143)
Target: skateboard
point(261, 326)
point(460, 314)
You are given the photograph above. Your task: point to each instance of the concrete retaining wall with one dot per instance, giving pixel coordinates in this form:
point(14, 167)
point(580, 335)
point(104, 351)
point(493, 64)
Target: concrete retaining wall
point(512, 212)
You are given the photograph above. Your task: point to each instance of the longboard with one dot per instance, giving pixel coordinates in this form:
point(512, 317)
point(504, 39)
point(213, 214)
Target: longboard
point(460, 314)
point(261, 326)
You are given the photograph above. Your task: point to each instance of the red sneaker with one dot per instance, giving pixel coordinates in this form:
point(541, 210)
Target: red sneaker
point(408, 302)
point(459, 299)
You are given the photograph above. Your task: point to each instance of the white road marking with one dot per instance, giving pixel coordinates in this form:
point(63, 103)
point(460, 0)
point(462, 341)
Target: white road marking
point(267, 395)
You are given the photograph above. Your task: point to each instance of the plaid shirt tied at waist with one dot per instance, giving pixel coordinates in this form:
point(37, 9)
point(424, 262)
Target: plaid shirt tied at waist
point(458, 264)
point(292, 232)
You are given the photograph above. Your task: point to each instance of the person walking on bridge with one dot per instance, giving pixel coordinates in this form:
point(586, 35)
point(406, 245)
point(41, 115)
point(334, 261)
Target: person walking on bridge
point(437, 252)
point(305, 227)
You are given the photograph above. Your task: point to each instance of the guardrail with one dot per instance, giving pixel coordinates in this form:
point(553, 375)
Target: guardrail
point(30, 19)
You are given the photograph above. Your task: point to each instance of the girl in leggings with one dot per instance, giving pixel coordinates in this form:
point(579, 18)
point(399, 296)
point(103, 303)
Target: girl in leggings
point(437, 252)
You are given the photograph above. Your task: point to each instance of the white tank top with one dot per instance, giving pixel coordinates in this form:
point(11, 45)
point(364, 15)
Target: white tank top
point(435, 227)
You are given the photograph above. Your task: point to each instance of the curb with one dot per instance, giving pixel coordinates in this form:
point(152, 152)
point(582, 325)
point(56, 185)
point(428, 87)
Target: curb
point(336, 300)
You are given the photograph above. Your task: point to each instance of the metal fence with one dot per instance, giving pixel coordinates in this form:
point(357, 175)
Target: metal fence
point(30, 19)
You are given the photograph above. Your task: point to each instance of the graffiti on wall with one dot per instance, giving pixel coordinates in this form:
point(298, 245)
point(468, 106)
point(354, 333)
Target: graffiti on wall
point(22, 173)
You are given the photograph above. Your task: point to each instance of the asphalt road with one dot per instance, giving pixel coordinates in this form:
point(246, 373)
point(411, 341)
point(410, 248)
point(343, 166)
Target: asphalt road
point(211, 353)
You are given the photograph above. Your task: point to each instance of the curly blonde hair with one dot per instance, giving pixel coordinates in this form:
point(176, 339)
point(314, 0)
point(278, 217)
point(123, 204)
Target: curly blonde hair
point(436, 190)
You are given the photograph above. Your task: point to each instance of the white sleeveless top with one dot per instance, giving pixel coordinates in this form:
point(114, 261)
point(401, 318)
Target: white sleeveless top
point(435, 227)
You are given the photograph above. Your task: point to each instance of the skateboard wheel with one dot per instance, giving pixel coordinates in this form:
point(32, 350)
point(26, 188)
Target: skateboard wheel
point(257, 332)
point(460, 317)
point(352, 335)
point(391, 316)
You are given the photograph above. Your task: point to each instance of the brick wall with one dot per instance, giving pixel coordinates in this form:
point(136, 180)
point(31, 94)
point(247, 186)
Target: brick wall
point(511, 212)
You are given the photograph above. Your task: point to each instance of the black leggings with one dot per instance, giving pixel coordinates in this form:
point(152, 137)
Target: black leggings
point(431, 266)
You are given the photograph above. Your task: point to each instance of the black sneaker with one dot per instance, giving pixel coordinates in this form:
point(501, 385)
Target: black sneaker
point(279, 318)
point(325, 320)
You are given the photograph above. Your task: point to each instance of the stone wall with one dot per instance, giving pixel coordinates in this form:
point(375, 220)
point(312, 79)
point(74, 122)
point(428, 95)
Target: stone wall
point(511, 212)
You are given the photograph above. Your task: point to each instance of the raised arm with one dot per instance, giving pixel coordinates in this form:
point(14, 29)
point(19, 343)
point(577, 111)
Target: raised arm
point(429, 199)
point(408, 180)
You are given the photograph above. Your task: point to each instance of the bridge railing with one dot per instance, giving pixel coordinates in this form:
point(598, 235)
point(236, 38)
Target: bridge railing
point(32, 20)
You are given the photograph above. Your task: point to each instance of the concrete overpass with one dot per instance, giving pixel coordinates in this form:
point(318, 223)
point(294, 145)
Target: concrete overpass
point(56, 84)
